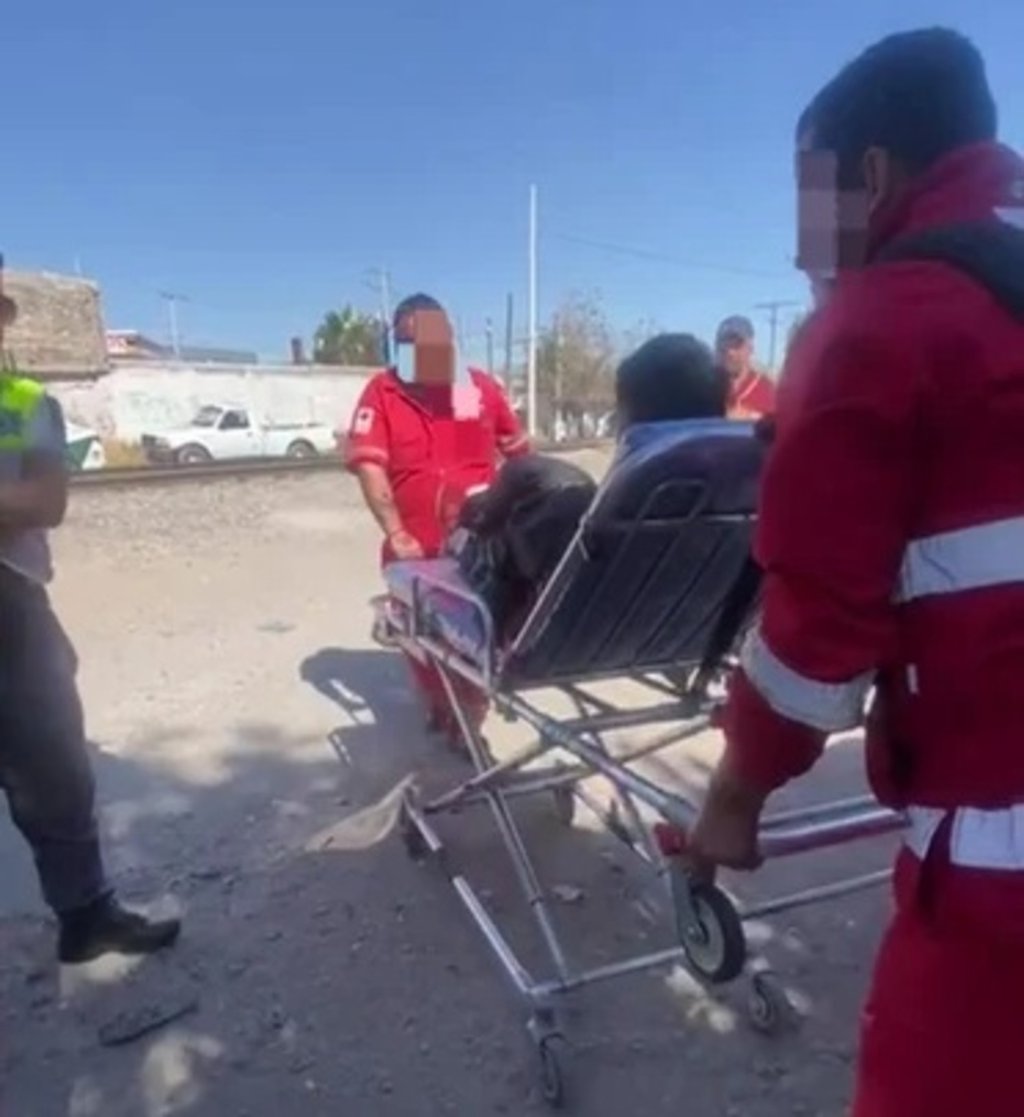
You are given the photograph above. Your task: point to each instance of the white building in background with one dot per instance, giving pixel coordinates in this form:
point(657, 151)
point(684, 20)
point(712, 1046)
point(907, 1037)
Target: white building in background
point(145, 396)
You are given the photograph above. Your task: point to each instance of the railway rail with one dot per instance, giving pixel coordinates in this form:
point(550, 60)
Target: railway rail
point(252, 467)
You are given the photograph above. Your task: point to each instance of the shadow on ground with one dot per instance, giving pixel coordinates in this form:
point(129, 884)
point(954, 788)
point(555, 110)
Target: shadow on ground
point(322, 968)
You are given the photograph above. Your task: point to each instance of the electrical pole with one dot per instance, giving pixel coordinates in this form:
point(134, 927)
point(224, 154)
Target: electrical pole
point(508, 342)
point(773, 307)
point(380, 282)
point(490, 346)
point(171, 301)
point(531, 359)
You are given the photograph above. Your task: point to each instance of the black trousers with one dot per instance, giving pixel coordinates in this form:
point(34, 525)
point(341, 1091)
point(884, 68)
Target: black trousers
point(44, 762)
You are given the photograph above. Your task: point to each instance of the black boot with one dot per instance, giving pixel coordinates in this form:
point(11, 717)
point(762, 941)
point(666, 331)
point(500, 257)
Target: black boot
point(105, 927)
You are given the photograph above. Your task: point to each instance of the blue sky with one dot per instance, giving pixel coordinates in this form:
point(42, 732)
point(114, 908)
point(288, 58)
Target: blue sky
point(261, 157)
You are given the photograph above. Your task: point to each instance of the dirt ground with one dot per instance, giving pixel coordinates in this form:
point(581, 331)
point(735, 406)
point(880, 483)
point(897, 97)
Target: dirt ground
point(251, 746)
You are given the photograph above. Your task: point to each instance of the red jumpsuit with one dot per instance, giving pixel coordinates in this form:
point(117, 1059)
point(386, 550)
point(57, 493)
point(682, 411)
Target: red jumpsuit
point(751, 396)
point(436, 443)
point(892, 538)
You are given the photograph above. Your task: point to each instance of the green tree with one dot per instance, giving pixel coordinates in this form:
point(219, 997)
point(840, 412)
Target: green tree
point(348, 337)
point(576, 358)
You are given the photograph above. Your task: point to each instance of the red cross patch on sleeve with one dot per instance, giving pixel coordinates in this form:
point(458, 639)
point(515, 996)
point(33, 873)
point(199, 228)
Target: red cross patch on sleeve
point(363, 421)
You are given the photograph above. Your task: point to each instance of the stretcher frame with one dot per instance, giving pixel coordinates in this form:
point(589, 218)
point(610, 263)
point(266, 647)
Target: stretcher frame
point(706, 928)
point(708, 921)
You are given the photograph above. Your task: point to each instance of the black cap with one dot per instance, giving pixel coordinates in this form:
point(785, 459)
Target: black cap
point(407, 307)
point(734, 329)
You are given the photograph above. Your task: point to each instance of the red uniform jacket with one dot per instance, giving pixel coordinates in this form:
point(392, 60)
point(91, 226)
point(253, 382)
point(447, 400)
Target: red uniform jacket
point(436, 443)
point(891, 527)
point(751, 396)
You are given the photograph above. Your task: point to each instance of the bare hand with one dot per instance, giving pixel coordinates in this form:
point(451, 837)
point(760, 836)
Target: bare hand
point(404, 545)
point(725, 833)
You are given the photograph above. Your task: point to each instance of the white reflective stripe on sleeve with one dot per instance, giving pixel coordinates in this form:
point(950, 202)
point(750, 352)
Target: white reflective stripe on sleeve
point(828, 707)
point(922, 823)
point(979, 839)
point(969, 559)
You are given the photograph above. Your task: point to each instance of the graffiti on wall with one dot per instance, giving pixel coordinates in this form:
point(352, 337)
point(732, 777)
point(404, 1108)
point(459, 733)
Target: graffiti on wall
point(139, 410)
point(132, 401)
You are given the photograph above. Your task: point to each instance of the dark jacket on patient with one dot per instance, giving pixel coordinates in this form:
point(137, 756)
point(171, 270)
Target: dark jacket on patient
point(512, 536)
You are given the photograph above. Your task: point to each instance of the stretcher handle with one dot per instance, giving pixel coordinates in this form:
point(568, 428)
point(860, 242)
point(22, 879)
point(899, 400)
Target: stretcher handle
point(821, 826)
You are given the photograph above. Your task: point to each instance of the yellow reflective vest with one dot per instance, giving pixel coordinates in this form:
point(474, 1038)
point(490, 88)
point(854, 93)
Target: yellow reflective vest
point(20, 399)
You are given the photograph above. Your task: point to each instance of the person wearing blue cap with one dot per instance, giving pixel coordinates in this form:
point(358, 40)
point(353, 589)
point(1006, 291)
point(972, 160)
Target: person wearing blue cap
point(751, 393)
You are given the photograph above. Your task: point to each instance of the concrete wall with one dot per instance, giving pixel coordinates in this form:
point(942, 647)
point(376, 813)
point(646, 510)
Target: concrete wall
point(149, 396)
point(59, 328)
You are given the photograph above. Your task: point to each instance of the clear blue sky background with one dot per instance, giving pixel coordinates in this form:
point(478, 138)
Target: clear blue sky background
point(260, 157)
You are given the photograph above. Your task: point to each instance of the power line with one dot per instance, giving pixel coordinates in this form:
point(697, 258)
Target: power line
point(664, 257)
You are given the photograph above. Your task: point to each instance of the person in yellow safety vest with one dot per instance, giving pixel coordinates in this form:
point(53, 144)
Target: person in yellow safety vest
point(44, 762)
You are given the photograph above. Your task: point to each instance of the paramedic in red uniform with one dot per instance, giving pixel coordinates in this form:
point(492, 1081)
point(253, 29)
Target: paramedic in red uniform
point(751, 393)
point(892, 540)
point(426, 432)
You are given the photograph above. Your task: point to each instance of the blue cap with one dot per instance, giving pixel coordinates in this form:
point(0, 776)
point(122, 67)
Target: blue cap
point(734, 329)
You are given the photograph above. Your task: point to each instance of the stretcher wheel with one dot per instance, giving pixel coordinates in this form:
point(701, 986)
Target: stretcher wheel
point(565, 805)
point(709, 930)
point(552, 1079)
point(769, 1010)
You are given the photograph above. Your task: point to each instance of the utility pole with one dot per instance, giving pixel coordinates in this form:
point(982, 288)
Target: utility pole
point(508, 342)
point(773, 307)
point(171, 301)
point(490, 346)
point(380, 281)
point(531, 359)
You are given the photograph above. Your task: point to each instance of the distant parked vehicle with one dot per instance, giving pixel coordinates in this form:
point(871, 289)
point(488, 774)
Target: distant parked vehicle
point(223, 433)
point(84, 448)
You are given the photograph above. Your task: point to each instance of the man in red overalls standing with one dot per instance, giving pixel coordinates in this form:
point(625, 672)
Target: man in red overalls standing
point(751, 393)
point(425, 433)
point(891, 536)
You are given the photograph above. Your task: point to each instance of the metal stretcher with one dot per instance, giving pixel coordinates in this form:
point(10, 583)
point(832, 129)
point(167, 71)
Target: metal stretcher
point(657, 587)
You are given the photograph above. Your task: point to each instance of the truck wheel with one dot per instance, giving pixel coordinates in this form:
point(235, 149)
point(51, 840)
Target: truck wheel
point(194, 455)
point(301, 449)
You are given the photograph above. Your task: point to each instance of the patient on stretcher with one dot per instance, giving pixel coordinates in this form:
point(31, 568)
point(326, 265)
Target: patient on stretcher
point(511, 537)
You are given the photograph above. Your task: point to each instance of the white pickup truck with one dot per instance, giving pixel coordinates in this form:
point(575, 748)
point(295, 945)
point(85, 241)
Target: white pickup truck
point(222, 433)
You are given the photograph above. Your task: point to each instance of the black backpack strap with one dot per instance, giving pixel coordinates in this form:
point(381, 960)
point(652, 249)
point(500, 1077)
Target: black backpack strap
point(989, 252)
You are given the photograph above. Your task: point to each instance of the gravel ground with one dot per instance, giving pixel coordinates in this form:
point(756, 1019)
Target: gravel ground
point(251, 746)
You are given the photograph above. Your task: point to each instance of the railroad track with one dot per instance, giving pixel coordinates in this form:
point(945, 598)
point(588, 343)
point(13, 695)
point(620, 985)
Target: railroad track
point(254, 467)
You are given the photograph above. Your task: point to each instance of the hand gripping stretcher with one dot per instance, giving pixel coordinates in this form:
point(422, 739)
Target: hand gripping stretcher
point(657, 586)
